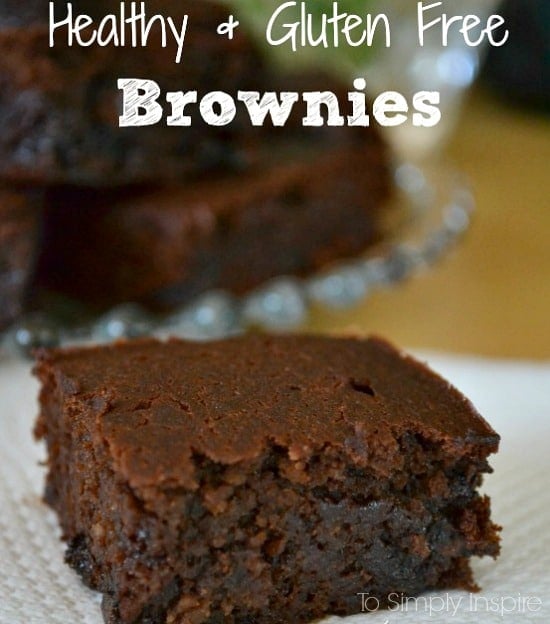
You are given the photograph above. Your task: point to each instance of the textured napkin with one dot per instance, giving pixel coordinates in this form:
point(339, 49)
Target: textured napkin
point(36, 587)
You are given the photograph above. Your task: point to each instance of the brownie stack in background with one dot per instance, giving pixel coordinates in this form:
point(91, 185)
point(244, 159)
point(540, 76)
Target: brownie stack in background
point(159, 214)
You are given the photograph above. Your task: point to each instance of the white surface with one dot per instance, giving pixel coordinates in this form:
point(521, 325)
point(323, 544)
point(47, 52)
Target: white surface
point(37, 588)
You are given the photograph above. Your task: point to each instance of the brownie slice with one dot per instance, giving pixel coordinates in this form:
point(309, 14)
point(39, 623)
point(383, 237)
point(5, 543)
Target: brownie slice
point(307, 204)
point(261, 479)
point(59, 106)
point(20, 220)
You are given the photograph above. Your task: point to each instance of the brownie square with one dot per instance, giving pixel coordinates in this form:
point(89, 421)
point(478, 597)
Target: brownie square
point(308, 203)
point(261, 479)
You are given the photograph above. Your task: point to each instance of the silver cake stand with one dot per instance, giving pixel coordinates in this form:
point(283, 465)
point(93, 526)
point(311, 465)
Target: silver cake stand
point(433, 208)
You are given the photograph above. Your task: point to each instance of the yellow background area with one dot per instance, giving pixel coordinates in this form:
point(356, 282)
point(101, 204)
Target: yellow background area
point(491, 295)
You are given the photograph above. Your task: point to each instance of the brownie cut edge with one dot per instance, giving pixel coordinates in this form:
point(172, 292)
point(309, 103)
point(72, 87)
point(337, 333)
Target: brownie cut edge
point(261, 478)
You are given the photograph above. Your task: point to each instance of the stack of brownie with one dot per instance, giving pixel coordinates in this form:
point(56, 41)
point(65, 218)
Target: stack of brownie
point(158, 214)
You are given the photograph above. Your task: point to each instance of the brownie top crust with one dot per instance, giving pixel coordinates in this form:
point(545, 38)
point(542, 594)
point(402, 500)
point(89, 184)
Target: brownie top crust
point(156, 406)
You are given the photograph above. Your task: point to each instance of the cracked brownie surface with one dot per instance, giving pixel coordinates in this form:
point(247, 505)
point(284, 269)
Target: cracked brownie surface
point(261, 479)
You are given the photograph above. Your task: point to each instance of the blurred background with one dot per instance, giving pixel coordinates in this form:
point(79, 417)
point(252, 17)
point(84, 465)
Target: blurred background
point(439, 277)
point(491, 295)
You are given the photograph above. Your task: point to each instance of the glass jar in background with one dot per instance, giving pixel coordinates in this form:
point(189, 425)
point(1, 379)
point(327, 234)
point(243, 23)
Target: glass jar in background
point(407, 67)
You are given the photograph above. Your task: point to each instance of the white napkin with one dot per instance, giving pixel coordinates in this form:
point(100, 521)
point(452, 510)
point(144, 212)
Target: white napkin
point(36, 587)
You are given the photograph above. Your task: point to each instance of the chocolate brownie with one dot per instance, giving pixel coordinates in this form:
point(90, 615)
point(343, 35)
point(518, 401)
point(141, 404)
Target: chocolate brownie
point(19, 231)
point(298, 211)
point(60, 106)
point(261, 479)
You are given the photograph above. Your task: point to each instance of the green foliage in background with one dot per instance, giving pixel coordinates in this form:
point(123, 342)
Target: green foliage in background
point(255, 14)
